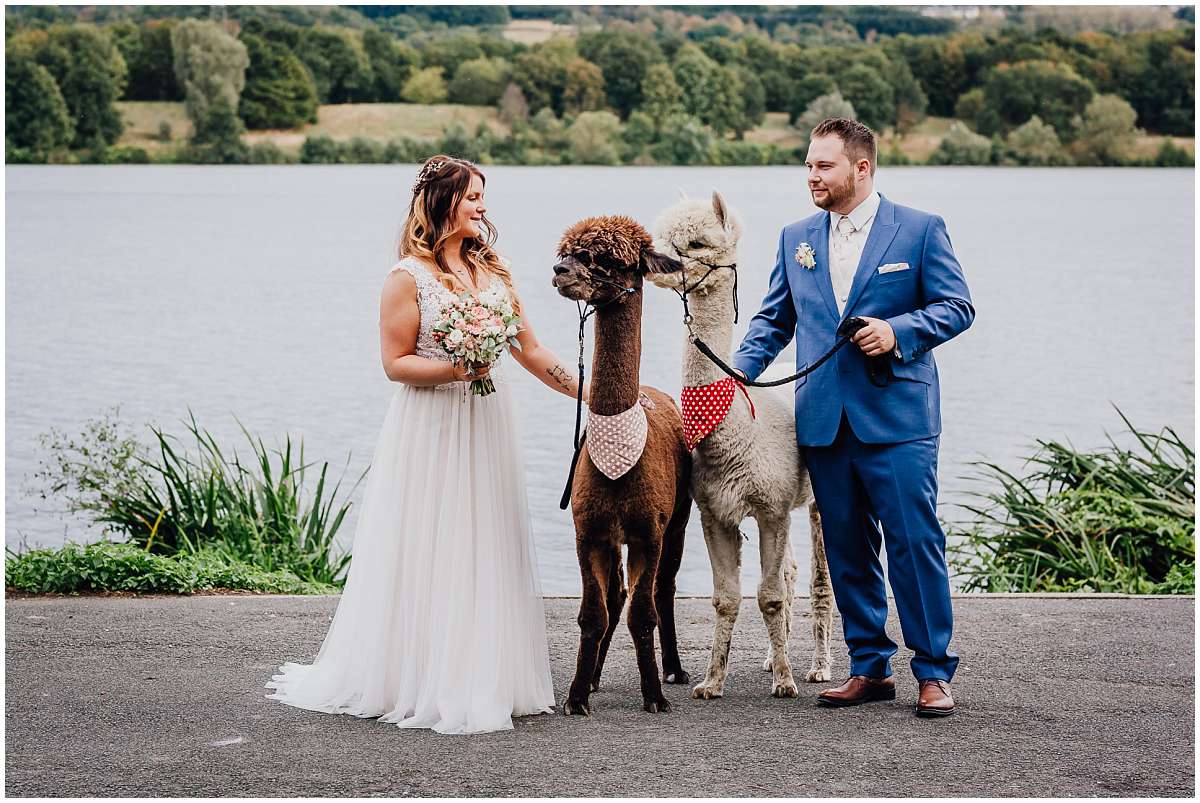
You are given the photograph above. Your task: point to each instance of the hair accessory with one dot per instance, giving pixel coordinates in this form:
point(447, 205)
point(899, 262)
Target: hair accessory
point(428, 171)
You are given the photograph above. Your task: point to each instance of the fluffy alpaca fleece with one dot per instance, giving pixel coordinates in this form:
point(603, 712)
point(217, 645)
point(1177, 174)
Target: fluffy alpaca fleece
point(602, 261)
point(747, 466)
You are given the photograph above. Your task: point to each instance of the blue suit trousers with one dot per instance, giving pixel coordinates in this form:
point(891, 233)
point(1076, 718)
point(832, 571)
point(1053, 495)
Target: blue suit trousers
point(861, 487)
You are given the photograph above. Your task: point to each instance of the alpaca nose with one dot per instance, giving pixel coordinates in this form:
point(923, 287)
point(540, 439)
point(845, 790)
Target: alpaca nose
point(560, 269)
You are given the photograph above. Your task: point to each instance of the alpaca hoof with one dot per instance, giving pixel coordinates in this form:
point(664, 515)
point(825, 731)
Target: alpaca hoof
point(571, 707)
point(594, 685)
point(785, 689)
point(679, 678)
point(706, 692)
point(657, 706)
point(818, 676)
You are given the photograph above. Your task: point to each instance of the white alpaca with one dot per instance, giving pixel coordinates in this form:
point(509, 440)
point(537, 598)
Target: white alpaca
point(747, 466)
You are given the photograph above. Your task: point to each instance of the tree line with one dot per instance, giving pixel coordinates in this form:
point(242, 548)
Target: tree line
point(634, 91)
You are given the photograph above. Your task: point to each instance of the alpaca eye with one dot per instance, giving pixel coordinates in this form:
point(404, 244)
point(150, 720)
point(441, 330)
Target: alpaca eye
point(695, 244)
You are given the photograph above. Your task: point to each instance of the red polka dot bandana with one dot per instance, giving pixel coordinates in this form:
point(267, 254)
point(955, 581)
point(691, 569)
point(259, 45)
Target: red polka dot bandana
point(706, 406)
point(615, 442)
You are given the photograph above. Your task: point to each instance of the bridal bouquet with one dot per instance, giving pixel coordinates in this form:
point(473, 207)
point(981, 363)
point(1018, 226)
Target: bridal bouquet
point(478, 329)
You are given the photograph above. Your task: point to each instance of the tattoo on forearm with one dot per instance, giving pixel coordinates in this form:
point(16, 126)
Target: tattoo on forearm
point(560, 375)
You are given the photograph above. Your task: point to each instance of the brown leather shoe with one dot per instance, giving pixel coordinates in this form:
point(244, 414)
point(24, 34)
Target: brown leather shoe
point(934, 699)
point(858, 689)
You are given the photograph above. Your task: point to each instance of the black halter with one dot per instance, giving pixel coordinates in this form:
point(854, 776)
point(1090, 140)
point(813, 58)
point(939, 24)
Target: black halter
point(683, 293)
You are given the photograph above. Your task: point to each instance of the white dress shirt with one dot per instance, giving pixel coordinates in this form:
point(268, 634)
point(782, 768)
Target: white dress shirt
point(846, 242)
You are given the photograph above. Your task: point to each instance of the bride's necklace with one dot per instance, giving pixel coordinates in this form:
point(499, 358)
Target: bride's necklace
point(465, 280)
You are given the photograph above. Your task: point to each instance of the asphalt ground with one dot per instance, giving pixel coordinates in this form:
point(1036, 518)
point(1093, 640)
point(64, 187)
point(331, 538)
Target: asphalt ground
point(163, 696)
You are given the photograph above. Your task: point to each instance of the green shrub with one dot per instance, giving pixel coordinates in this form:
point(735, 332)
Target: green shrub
point(362, 151)
point(962, 146)
point(266, 511)
point(267, 153)
point(1171, 155)
point(320, 150)
point(107, 566)
point(126, 156)
point(1111, 520)
point(409, 151)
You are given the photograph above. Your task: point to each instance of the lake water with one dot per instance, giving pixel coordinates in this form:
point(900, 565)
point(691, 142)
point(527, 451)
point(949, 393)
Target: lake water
point(253, 291)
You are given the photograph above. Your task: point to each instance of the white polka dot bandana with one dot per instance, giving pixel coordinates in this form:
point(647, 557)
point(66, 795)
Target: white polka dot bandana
point(705, 406)
point(615, 442)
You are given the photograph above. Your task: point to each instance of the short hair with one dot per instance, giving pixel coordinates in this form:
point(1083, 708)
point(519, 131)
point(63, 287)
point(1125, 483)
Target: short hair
point(858, 141)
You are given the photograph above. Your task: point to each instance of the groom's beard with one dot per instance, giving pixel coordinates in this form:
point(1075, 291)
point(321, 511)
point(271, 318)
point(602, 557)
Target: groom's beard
point(835, 196)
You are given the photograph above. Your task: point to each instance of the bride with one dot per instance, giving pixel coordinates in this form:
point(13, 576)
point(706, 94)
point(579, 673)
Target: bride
point(440, 624)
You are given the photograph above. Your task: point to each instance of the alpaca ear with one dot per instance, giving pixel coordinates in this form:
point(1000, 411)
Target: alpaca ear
point(719, 208)
point(654, 262)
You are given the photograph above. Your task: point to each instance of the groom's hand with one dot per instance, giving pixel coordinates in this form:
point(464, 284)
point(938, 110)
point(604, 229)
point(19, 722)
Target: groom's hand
point(875, 338)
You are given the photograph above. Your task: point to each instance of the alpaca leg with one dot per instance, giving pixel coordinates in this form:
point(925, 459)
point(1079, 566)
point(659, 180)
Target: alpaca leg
point(821, 599)
point(773, 600)
point(616, 601)
point(725, 555)
point(664, 592)
point(790, 570)
point(643, 565)
point(595, 566)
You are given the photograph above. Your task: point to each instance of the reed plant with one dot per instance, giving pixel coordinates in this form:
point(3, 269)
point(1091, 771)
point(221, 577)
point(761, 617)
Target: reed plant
point(1114, 519)
point(272, 509)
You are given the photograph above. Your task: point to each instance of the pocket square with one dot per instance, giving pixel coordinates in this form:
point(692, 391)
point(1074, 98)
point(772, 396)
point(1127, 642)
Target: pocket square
point(892, 267)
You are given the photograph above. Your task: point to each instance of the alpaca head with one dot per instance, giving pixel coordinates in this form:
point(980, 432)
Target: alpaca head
point(603, 258)
point(699, 234)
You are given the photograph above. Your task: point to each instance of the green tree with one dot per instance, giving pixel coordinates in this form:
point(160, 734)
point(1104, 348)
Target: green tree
point(593, 138)
point(623, 57)
point(962, 146)
point(448, 51)
point(726, 102)
point(753, 97)
point(90, 73)
point(870, 95)
point(1036, 143)
point(661, 95)
point(831, 105)
point(479, 82)
point(211, 66)
point(639, 132)
point(149, 58)
point(541, 73)
point(683, 141)
point(1014, 93)
point(425, 86)
point(36, 117)
point(219, 141)
point(391, 64)
point(514, 109)
point(697, 75)
point(279, 91)
point(808, 89)
point(338, 64)
point(1106, 131)
point(583, 87)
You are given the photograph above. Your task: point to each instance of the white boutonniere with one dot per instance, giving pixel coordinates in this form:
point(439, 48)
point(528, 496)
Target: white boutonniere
point(805, 256)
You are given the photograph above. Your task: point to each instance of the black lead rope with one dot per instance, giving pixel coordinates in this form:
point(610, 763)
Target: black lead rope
point(879, 369)
point(585, 311)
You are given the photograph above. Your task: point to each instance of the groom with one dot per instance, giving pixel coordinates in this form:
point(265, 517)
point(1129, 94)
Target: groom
point(871, 450)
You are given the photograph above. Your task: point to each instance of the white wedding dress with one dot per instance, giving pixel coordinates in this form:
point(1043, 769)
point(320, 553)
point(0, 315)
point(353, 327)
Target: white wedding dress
point(441, 623)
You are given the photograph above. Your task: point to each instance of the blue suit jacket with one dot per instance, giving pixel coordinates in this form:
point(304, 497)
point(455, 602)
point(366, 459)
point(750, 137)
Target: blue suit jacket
point(926, 305)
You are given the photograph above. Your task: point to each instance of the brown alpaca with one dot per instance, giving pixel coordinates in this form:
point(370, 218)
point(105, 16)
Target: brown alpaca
point(602, 261)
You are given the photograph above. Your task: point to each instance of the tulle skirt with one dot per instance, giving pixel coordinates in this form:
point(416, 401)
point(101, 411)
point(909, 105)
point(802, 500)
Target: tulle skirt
point(441, 622)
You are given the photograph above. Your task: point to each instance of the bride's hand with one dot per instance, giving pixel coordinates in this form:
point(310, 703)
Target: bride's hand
point(469, 372)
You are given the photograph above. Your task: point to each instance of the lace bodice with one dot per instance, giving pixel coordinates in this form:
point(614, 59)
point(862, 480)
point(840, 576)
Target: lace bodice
point(432, 299)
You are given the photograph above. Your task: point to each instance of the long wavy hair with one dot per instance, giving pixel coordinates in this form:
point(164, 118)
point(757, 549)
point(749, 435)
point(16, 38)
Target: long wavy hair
point(438, 191)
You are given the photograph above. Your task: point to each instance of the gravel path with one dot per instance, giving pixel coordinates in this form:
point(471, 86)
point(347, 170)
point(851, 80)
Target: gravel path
point(1083, 696)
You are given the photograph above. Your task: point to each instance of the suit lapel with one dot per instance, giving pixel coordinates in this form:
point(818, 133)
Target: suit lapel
point(883, 231)
point(818, 238)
